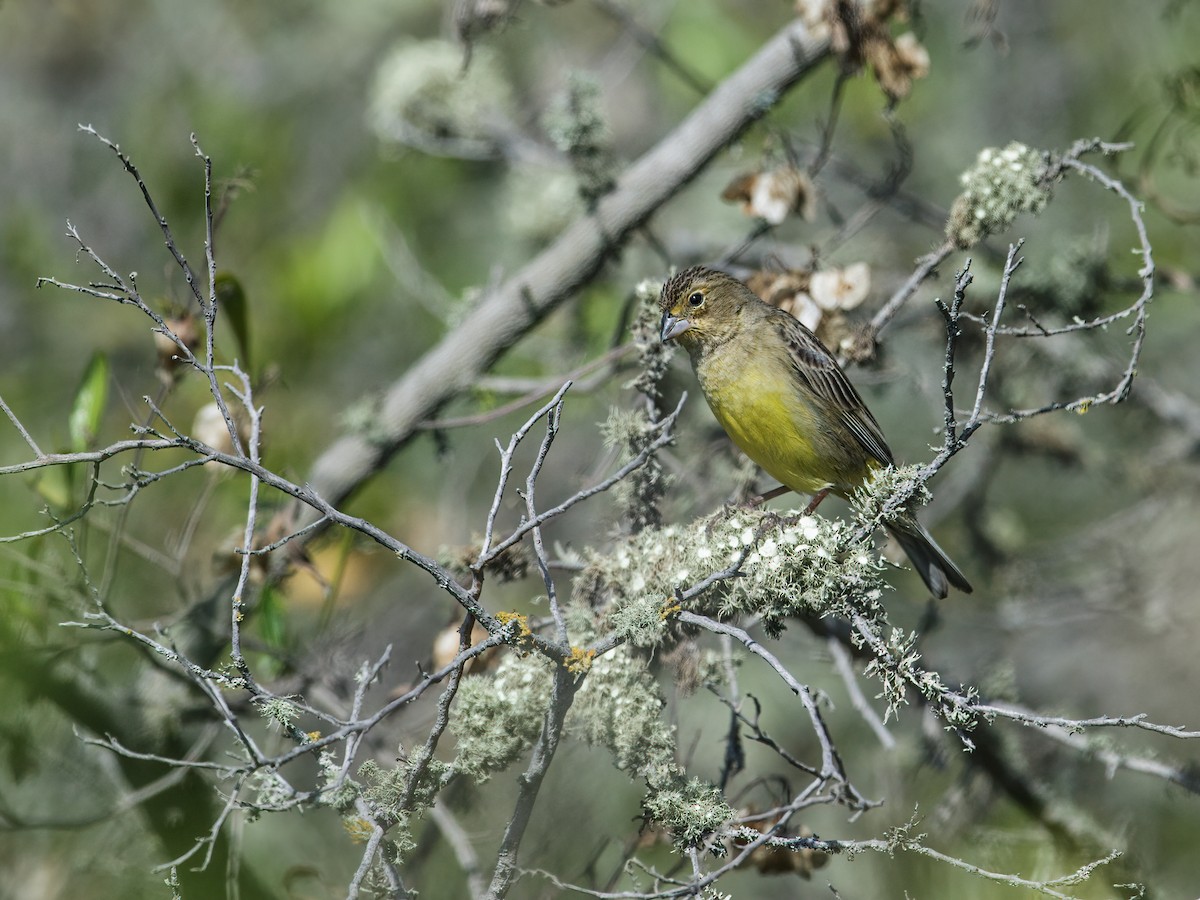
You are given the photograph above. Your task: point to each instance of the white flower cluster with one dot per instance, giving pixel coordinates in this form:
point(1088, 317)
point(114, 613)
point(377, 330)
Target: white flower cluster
point(1001, 184)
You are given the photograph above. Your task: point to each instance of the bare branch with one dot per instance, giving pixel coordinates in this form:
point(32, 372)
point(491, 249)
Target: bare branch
point(841, 660)
point(37, 451)
point(831, 765)
point(168, 237)
point(561, 698)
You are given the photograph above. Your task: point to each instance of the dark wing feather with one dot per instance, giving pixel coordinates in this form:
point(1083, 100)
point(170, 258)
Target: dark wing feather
point(817, 367)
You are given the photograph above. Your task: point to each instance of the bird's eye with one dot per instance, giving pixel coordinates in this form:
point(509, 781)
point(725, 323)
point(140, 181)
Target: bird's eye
point(696, 299)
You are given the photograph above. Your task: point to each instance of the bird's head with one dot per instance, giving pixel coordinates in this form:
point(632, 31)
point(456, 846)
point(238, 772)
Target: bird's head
point(701, 307)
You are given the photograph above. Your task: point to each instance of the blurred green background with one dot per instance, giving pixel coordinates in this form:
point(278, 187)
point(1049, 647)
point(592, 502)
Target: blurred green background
point(357, 252)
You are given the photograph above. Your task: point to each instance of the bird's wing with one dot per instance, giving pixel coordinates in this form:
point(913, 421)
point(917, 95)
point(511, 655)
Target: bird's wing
point(825, 378)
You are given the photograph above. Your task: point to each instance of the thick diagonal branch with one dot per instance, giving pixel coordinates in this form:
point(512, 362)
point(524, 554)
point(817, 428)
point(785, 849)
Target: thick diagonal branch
point(510, 309)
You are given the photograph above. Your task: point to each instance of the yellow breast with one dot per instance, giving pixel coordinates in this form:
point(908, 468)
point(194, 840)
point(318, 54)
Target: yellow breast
point(765, 410)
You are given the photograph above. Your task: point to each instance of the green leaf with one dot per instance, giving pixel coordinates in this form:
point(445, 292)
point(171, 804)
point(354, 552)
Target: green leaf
point(232, 305)
point(90, 400)
point(55, 484)
point(272, 621)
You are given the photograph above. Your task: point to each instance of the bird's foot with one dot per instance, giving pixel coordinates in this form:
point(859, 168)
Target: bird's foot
point(763, 498)
point(816, 501)
point(787, 521)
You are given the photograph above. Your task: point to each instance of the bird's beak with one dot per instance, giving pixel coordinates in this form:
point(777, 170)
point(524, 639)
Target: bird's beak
point(672, 327)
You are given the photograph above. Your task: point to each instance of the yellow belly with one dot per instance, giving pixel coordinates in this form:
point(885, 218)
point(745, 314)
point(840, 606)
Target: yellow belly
point(768, 416)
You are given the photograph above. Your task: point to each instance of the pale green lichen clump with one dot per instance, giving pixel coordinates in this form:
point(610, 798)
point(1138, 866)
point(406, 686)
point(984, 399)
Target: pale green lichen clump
point(1001, 184)
point(577, 126)
point(423, 96)
point(630, 432)
point(619, 706)
point(871, 499)
point(498, 717)
point(784, 566)
point(788, 565)
point(637, 497)
point(689, 808)
point(540, 202)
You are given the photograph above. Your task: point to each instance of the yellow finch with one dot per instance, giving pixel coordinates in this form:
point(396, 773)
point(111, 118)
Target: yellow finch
point(782, 397)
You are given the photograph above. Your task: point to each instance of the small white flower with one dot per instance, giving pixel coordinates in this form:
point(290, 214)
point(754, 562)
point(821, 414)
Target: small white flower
point(843, 288)
point(682, 575)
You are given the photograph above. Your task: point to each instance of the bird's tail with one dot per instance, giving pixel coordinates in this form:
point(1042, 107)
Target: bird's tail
point(936, 569)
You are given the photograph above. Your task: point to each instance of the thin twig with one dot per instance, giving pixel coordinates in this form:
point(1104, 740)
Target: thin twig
point(168, 237)
point(831, 765)
point(530, 784)
point(841, 661)
point(37, 451)
point(553, 421)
